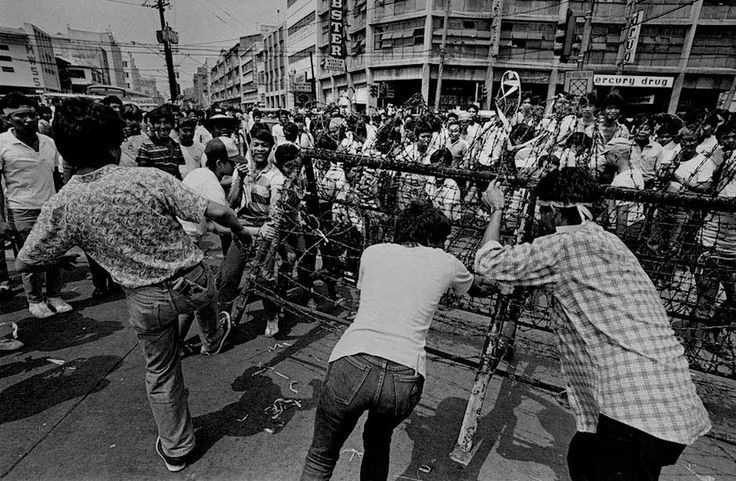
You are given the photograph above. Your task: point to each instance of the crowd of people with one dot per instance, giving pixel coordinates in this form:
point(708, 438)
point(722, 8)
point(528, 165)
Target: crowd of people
point(139, 193)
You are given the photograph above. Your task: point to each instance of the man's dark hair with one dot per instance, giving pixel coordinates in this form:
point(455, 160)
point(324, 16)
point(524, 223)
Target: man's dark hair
point(613, 100)
point(441, 156)
point(284, 154)
point(16, 99)
point(422, 127)
point(291, 131)
point(85, 131)
point(257, 113)
point(569, 185)
point(421, 223)
point(163, 112)
point(131, 112)
point(263, 135)
point(112, 99)
point(215, 150)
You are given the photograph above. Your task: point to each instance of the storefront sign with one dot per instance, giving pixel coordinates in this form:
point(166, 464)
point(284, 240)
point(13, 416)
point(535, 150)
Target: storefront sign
point(632, 37)
point(337, 29)
point(331, 64)
point(632, 81)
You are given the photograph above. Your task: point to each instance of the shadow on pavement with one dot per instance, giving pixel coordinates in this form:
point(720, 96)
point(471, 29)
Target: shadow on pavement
point(434, 437)
point(248, 416)
point(38, 393)
point(64, 331)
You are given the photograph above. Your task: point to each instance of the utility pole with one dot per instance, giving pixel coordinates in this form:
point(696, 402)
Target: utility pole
point(587, 34)
point(440, 70)
point(173, 90)
point(314, 79)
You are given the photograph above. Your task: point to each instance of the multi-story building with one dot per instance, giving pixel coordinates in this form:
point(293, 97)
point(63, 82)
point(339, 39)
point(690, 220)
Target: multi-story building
point(226, 75)
point(275, 59)
point(150, 89)
point(93, 50)
point(27, 61)
point(301, 34)
point(686, 52)
point(200, 90)
point(131, 72)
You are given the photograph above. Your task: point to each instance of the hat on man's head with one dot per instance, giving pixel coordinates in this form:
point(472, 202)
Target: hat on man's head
point(618, 144)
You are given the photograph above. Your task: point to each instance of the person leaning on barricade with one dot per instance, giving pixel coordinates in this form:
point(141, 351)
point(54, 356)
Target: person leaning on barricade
point(628, 380)
point(378, 365)
point(159, 267)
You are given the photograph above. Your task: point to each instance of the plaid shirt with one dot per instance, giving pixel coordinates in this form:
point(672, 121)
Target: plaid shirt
point(618, 353)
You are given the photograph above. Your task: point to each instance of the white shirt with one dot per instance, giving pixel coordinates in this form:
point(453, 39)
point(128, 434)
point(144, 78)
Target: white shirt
point(446, 197)
point(278, 134)
point(632, 179)
point(202, 135)
point(29, 175)
point(400, 289)
point(129, 150)
point(204, 182)
point(192, 158)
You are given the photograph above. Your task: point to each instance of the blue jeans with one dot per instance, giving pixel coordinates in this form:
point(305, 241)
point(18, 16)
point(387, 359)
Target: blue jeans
point(22, 221)
point(154, 312)
point(354, 384)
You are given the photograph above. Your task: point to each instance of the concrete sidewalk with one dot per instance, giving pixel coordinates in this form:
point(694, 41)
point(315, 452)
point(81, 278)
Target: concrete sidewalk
point(88, 419)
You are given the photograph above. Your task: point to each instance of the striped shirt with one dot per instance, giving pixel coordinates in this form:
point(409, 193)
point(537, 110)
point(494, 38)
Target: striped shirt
point(164, 154)
point(618, 352)
point(261, 191)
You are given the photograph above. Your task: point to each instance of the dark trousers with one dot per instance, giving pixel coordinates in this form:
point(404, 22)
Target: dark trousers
point(618, 452)
point(354, 384)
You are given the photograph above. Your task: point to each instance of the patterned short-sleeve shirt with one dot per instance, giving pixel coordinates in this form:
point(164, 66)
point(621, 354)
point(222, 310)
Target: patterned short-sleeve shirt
point(125, 219)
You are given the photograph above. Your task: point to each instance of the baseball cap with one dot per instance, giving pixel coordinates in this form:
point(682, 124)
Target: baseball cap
point(231, 147)
point(221, 146)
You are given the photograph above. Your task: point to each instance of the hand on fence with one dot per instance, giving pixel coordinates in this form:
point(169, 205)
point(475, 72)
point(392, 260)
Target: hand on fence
point(493, 198)
point(242, 238)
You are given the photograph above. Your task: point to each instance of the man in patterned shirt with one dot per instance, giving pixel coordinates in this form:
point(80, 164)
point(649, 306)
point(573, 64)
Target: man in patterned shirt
point(126, 220)
point(627, 378)
point(160, 150)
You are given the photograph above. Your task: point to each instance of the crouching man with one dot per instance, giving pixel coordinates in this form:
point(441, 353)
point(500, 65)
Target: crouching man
point(627, 377)
point(126, 220)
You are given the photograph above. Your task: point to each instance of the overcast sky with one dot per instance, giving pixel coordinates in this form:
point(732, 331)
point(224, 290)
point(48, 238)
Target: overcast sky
point(213, 24)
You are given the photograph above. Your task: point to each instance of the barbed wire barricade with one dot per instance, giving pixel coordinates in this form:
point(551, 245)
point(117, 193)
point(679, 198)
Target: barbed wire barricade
point(339, 203)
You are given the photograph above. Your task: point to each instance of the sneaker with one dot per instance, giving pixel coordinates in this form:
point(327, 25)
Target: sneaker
point(40, 310)
point(226, 325)
point(58, 305)
point(10, 344)
point(272, 327)
point(173, 464)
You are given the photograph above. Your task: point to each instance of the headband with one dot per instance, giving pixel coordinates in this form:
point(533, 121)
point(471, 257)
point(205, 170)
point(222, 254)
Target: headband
point(584, 212)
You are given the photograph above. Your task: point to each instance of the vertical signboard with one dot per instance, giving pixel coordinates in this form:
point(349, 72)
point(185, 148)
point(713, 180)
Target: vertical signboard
point(35, 72)
point(632, 37)
point(496, 9)
point(337, 29)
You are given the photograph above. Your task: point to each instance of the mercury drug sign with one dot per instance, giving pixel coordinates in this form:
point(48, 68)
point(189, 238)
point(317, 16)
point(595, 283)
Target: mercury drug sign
point(632, 81)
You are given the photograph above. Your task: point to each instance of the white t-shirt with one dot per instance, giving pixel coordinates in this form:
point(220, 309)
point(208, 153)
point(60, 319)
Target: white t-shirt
point(28, 174)
point(129, 150)
point(400, 289)
point(632, 179)
point(446, 197)
point(278, 134)
point(192, 158)
point(204, 182)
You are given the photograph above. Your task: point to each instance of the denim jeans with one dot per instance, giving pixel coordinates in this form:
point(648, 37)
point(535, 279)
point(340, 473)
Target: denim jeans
point(618, 452)
point(154, 312)
point(354, 384)
point(22, 221)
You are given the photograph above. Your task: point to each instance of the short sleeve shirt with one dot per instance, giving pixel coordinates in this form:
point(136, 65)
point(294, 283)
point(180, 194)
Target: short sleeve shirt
point(204, 182)
point(29, 175)
point(125, 219)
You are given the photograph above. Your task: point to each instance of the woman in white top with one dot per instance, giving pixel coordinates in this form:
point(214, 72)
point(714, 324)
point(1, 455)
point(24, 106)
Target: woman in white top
point(379, 363)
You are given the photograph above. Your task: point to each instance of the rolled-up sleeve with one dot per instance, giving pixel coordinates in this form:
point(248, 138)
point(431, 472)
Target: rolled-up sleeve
point(529, 265)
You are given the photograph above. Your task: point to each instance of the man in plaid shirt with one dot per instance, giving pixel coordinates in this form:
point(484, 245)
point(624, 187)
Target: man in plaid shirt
point(627, 378)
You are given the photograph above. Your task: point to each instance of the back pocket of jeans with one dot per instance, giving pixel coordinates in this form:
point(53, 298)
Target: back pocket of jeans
point(344, 380)
point(408, 390)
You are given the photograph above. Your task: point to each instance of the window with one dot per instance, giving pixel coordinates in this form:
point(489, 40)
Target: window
point(4, 47)
point(469, 24)
point(304, 22)
point(5, 58)
point(8, 69)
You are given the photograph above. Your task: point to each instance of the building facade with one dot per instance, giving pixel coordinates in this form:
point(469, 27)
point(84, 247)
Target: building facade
point(27, 61)
point(200, 89)
point(301, 34)
point(96, 50)
point(396, 47)
point(131, 72)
